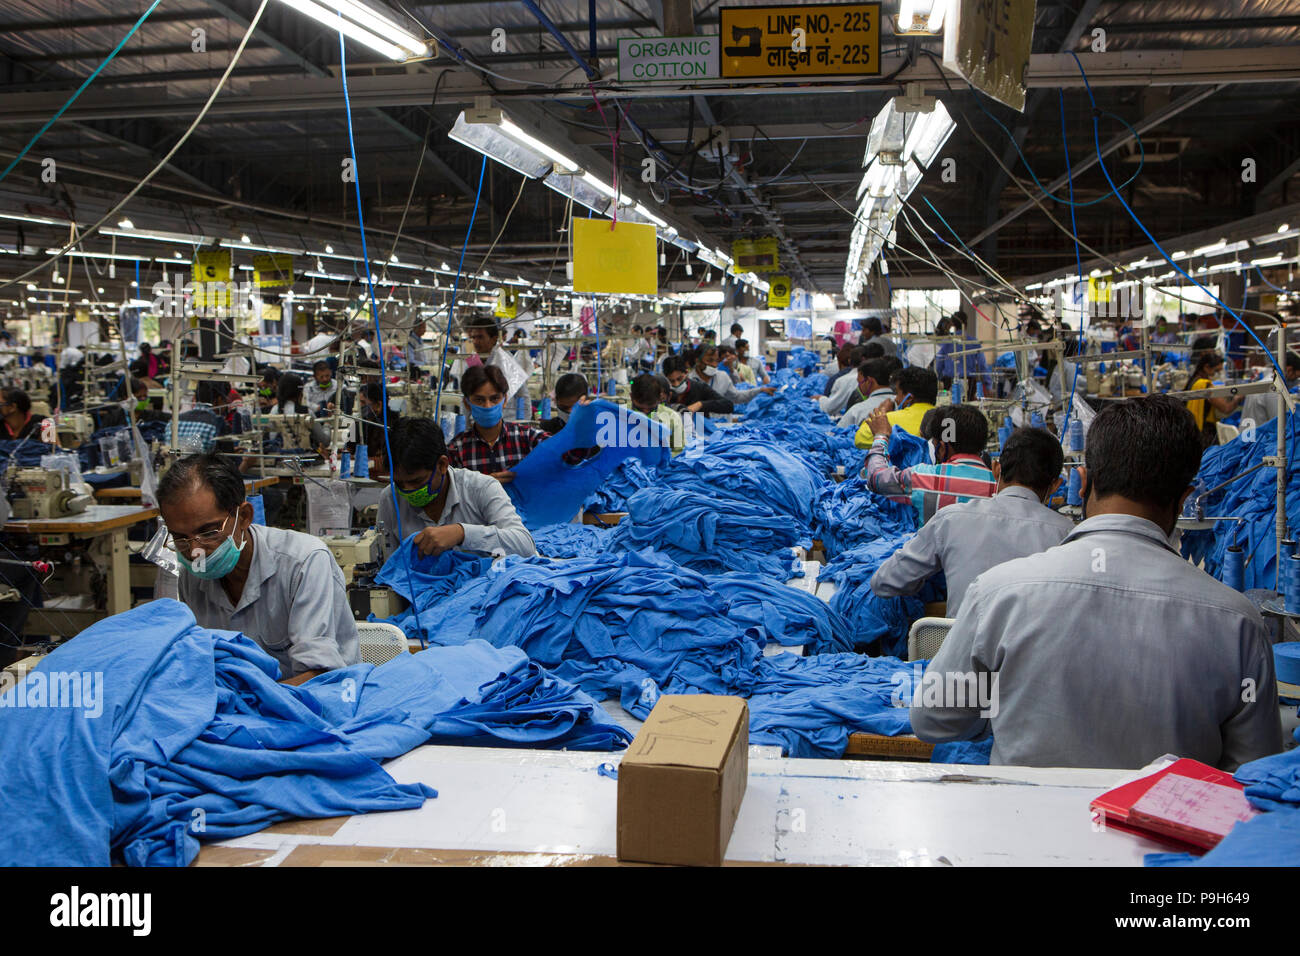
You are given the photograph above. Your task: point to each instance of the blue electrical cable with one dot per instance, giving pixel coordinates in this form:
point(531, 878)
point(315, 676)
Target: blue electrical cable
point(455, 289)
point(1269, 284)
point(374, 314)
point(1078, 265)
point(81, 89)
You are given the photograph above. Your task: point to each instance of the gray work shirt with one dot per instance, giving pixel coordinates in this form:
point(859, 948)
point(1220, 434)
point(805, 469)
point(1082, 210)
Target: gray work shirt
point(855, 415)
point(965, 540)
point(294, 603)
point(474, 501)
point(1109, 651)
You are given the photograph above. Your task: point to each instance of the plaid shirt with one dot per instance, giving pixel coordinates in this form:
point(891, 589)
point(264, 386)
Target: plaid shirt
point(927, 488)
point(517, 439)
point(198, 428)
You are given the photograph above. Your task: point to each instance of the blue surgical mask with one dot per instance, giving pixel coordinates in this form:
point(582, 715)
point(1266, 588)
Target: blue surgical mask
point(217, 564)
point(487, 417)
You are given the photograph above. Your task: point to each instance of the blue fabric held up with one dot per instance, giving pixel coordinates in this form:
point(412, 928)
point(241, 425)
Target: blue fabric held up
point(1272, 782)
point(546, 490)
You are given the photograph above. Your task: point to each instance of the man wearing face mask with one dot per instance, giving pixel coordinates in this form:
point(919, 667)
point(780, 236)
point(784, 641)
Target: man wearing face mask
point(724, 366)
point(1112, 649)
point(280, 588)
point(450, 508)
point(957, 434)
point(569, 390)
point(691, 394)
point(490, 444)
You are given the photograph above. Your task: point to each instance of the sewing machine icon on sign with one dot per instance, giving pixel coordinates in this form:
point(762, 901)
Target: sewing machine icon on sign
point(753, 45)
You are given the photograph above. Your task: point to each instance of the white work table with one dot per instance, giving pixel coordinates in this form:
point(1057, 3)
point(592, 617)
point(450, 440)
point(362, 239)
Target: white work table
point(527, 807)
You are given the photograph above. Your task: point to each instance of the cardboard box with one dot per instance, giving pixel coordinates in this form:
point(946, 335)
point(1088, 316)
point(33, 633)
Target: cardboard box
point(681, 782)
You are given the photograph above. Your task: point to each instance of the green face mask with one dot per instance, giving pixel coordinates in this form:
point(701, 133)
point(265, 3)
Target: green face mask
point(425, 495)
point(142, 405)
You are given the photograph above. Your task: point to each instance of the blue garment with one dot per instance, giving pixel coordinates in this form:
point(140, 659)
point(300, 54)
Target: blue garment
point(547, 490)
point(963, 751)
point(623, 482)
point(711, 533)
point(850, 515)
point(195, 740)
point(1273, 782)
point(1270, 839)
point(875, 618)
point(824, 447)
point(789, 615)
point(570, 540)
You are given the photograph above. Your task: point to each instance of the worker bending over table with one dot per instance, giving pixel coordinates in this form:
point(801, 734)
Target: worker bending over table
point(1112, 649)
point(956, 434)
point(965, 540)
point(451, 508)
point(281, 588)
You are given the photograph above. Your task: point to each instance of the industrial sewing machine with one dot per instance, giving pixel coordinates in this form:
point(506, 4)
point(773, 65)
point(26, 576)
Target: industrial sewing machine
point(74, 428)
point(355, 551)
point(47, 494)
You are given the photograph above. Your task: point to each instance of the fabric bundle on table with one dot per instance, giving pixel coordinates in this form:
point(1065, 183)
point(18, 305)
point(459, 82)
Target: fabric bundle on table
point(623, 482)
point(1270, 839)
point(570, 540)
point(710, 533)
point(826, 448)
point(788, 615)
point(875, 618)
point(179, 733)
point(748, 470)
point(787, 405)
point(1253, 497)
point(1273, 782)
point(851, 515)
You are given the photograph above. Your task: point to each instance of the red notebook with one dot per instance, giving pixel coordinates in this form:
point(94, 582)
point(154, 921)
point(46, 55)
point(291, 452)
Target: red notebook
point(1187, 804)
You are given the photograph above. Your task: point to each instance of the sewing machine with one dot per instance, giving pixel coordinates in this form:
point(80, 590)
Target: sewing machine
point(74, 428)
point(353, 551)
point(46, 494)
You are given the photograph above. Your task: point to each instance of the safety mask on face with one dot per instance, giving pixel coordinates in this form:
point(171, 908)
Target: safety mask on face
point(218, 564)
point(142, 405)
point(679, 387)
point(487, 417)
point(425, 495)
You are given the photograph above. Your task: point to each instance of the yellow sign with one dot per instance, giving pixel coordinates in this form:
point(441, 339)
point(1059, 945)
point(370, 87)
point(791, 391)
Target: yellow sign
point(989, 44)
point(507, 306)
point(211, 275)
point(1099, 290)
point(622, 259)
point(778, 295)
point(814, 39)
point(273, 272)
point(756, 255)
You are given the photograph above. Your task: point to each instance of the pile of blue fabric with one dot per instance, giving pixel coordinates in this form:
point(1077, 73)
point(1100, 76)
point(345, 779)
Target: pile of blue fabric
point(875, 619)
point(826, 448)
point(193, 739)
point(802, 360)
point(1254, 498)
point(570, 540)
point(1273, 782)
point(637, 625)
point(787, 405)
point(850, 515)
point(789, 616)
point(748, 470)
point(623, 482)
point(711, 534)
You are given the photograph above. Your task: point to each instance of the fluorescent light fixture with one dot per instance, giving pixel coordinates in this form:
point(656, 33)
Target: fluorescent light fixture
point(927, 133)
point(489, 131)
point(1178, 255)
point(645, 213)
point(369, 28)
point(1212, 248)
point(576, 186)
point(329, 250)
point(1269, 261)
point(126, 224)
point(921, 16)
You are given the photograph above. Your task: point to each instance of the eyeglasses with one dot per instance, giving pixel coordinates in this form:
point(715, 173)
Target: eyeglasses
point(204, 539)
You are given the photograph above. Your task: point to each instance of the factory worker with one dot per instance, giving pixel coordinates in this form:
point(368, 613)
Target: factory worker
point(1112, 649)
point(417, 350)
point(451, 508)
point(485, 339)
point(691, 394)
point(957, 434)
point(723, 368)
point(964, 540)
point(873, 331)
point(321, 392)
point(280, 588)
point(649, 397)
point(490, 444)
point(1262, 407)
point(915, 392)
point(873, 389)
point(737, 330)
point(1207, 365)
point(569, 390)
point(751, 368)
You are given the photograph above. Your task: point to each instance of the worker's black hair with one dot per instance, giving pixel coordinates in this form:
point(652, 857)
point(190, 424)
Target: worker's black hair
point(959, 319)
point(418, 444)
point(873, 326)
point(485, 322)
point(704, 350)
point(969, 428)
point(1203, 361)
point(1292, 360)
point(676, 363)
point(211, 471)
point(146, 348)
point(374, 392)
point(921, 383)
point(289, 389)
point(211, 393)
point(320, 364)
point(1147, 450)
point(1032, 457)
point(571, 385)
point(877, 368)
point(476, 376)
point(19, 398)
point(737, 328)
point(646, 389)
point(270, 374)
point(725, 350)
point(138, 385)
point(869, 351)
point(740, 342)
